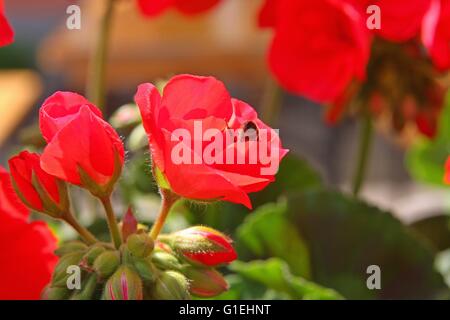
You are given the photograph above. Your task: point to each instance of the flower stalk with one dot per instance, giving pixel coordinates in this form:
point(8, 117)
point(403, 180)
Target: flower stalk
point(168, 200)
point(88, 237)
point(272, 101)
point(365, 143)
point(112, 222)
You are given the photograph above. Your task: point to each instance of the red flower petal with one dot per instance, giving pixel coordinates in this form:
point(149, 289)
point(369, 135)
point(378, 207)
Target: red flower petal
point(400, 19)
point(268, 14)
point(319, 47)
point(192, 97)
point(153, 8)
point(86, 141)
point(447, 171)
point(6, 32)
point(9, 202)
point(194, 6)
point(59, 109)
point(436, 33)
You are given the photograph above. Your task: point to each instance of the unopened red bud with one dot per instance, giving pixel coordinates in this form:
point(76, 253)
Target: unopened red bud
point(36, 188)
point(203, 246)
point(140, 245)
point(124, 284)
point(129, 224)
point(205, 282)
point(171, 285)
point(165, 261)
point(60, 274)
point(69, 247)
point(106, 263)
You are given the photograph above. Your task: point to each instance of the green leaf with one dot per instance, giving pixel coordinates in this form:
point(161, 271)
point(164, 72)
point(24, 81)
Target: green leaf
point(436, 230)
point(244, 289)
point(426, 158)
point(345, 236)
point(267, 233)
point(274, 274)
point(294, 174)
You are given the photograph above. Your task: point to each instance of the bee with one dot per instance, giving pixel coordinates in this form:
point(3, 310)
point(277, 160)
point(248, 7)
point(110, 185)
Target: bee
point(250, 132)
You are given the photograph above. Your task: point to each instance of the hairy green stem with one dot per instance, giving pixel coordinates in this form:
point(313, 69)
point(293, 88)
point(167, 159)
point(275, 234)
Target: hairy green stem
point(167, 202)
point(112, 222)
point(88, 237)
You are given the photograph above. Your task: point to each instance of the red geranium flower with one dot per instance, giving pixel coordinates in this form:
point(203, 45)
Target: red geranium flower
point(436, 33)
point(155, 7)
point(319, 47)
point(200, 106)
point(27, 258)
point(78, 138)
point(6, 32)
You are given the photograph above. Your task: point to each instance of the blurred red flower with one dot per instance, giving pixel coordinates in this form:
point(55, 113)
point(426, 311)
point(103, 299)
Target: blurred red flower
point(27, 258)
point(268, 13)
point(78, 137)
point(401, 20)
point(188, 100)
point(436, 33)
point(153, 8)
point(319, 47)
point(6, 32)
point(447, 171)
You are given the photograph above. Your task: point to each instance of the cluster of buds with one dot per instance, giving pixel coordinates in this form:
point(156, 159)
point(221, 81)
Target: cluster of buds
point(173, 267)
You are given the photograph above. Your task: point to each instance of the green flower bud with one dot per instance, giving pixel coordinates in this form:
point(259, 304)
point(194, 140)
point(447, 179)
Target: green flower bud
point(70, 247)
point(165, 261)
point(171, 285)
point(125, 116)
point(88, 288)
point(145, 269)
point(124, 284)
point(92, 254)
point(140, 245)
point(54, 293)
point(205, 282)
point(106, 263)
point(60, 274)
